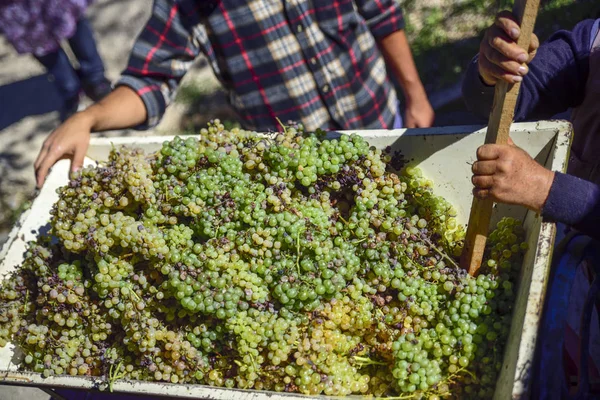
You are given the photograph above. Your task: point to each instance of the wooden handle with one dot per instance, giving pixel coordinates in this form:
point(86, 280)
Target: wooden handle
point(503, 111)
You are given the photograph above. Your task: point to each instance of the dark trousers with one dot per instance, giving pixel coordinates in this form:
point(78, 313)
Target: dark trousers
point(91, 68)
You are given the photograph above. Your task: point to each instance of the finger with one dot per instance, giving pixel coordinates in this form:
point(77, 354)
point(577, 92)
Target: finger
point(533, 47)
point(483, 181)
point(534, 44)
point(78, 158)
point(498, 40)
point(481, 193)
point(41, 155)
point(507, 22)
point(488, 152)
point(484, 167)
point(42, 170)
point(488, 69)
point(425, 122)
point(510, 141)
point(410, 124)
point(505, 63)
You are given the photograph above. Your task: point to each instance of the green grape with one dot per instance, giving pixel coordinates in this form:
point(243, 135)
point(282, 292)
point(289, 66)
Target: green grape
point(285, 262)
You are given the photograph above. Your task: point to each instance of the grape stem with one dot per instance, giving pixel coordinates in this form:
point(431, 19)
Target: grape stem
point(440, 252)
point(462, 369)
point(26, 304)
point(114, 374)
point(364, 361)
point(133, 293)
point(282, 125)
point(348, 225)
point(254, 366)
point(342, 218)
point(298, 251)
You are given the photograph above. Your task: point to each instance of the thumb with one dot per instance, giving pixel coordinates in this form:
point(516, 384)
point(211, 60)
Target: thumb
point(510, 141)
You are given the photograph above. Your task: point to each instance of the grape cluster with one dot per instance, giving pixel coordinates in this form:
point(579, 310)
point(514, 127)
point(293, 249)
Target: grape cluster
point(281, 262)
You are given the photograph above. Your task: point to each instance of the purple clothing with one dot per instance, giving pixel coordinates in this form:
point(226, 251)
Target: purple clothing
point(564, 74)
point(556, 80)
point(38, 26)
point(398, 121)
point(575, 202)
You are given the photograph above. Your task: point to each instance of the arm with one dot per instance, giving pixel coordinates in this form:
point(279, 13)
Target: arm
point(162, 54)
point(575, 202)
point(396, 51)
point(555, 78)
point(386, 22)
point(120, 109)
point(507, 174)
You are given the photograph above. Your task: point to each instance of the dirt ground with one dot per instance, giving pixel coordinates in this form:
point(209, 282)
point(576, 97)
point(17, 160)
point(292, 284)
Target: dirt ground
point(116, 25)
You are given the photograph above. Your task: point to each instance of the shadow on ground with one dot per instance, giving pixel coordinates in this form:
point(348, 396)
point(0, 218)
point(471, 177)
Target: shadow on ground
point(34, 96)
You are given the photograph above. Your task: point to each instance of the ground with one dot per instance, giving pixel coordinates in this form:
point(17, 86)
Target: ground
point(25, 118)
point(444, 35)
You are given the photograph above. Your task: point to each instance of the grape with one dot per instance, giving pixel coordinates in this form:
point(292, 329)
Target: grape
point(281, 262)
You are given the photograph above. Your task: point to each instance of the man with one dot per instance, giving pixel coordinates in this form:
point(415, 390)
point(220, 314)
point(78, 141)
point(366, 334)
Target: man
point(322, 64)
point(563, 73)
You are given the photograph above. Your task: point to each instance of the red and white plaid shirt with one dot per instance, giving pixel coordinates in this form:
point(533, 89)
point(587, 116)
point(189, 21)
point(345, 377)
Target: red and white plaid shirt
point(309, 61)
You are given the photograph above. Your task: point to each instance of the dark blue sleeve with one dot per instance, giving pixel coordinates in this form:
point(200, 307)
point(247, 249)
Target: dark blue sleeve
point(555, 82)
point(575, 202)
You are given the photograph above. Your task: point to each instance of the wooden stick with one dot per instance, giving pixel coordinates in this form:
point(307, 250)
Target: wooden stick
point(503, 111)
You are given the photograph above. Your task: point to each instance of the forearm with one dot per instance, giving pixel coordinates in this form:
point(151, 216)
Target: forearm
point(575, 202)
point(121, 109)
point(396, 50)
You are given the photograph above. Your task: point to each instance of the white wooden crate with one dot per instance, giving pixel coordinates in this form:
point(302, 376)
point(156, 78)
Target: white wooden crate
point(444, 154)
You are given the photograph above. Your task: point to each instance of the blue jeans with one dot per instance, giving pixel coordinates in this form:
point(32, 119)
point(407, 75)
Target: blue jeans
point(398, 118)
point(550, 367)
point(90, 64)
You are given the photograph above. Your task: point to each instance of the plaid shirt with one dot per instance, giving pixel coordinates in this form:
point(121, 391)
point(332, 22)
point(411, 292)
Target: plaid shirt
point(314, 62)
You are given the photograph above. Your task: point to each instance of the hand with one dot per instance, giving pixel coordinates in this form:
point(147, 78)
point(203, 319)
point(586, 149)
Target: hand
point(507, 174)
point(500, 57)
point(70, 140)
point(418, 113)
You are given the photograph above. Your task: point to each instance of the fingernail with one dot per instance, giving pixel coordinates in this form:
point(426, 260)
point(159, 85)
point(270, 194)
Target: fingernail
point(522, 57)
point(517, 78)
point(514, 33)
point(522, 70)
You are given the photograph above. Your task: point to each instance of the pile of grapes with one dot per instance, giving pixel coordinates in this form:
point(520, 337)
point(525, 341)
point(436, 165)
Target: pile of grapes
point(280, 262)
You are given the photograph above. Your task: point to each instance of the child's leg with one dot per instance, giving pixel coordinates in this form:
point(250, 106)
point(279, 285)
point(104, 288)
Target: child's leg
point(83, 45)
point(57, 64)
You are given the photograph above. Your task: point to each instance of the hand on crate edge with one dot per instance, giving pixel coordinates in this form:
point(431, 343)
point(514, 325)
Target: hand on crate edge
point(69, 140)
point(507, 174)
